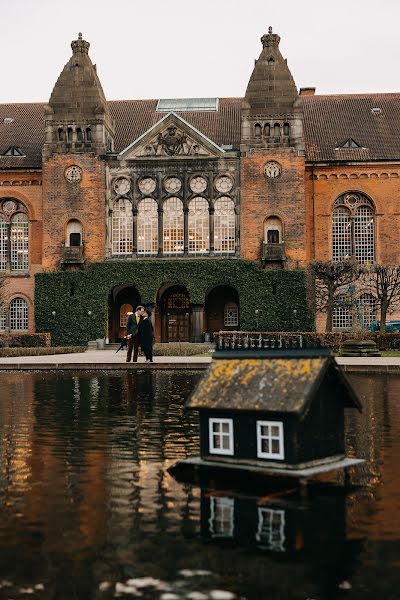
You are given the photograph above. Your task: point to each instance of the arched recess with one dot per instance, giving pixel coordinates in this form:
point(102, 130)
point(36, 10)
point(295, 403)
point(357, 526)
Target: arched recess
point(273, 230)
point(222, 309)
point(74, 233)
point(353, 227)
point(120, 299)
point(174, 314)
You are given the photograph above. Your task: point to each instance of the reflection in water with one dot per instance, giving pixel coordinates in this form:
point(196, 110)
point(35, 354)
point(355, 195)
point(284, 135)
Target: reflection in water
point(85, 498)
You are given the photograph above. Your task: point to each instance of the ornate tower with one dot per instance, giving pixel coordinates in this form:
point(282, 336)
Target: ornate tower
point(79, 133)
point(272, 199)
point(271, 112)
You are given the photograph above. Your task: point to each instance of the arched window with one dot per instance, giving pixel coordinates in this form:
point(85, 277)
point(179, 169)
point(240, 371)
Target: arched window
point(267, 130)
point(147, 227)
point(173, 226)
point(224, 226)
point(366, 310)
point(277, 130)
point(70, 133)
point(342, 317)
point(79, 135)
point(88, 134)
point(286, 129)
point(273, 231)
point(199, 226)
point(3, 242)
point(18, 315)
point(60, 134)
point(3, 321)
point(123, 314)
point(19, 242)
point(122, 227)
point(257, 130)
point(74, 233)
point(353, 228)
point(231, 315)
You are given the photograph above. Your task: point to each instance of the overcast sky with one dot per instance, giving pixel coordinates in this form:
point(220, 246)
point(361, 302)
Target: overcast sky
point(185, 48)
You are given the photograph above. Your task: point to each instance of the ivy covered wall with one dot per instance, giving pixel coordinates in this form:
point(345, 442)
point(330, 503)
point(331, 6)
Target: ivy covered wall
point(72, 305)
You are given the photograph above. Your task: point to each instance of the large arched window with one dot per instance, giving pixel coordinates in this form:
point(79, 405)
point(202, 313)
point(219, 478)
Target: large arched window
point(74, 233)
point(18, 315)
point(224, 226)
point(19, 242)
point(122, 227)
point(3, 321)
point(366, 310)
point(147, 227)
point(3, 242)
point(273, 230)
point(199, 226)
point(173, 226)
point(353, 228)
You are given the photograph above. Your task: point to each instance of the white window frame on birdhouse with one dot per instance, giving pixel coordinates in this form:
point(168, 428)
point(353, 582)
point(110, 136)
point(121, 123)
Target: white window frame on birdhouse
point(221, 435)
point(270, 437)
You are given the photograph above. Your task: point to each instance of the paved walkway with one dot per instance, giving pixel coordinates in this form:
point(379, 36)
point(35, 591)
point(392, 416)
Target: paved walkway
point(103, 359)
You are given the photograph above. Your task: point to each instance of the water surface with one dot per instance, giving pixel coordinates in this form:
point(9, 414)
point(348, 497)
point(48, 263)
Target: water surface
point(86, 503)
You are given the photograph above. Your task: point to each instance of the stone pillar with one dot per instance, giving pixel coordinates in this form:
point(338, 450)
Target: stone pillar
point(134, 232)
point(237, 231)
point(160, 230)
point(197, 323)
point(185, 231)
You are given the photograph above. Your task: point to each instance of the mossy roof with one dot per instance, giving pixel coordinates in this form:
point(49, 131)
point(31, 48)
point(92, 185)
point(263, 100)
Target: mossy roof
point(271, 385)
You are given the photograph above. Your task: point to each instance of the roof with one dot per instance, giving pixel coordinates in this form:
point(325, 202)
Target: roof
point(284, 385)
point(328, 122)
point(331, 120)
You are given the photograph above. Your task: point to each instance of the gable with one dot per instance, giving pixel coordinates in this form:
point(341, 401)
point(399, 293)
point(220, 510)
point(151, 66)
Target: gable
point(172, 137)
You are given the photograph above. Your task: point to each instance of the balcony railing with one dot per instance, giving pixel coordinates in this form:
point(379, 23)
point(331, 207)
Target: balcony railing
point(72, 255)
point(273, 252)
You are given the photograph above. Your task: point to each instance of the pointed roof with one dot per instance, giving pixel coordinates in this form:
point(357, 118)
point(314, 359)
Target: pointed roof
point(78, 92)
point(271, 87)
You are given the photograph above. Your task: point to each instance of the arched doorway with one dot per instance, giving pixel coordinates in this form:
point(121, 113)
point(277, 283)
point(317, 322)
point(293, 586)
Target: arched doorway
point(222, 309)
point(123, 298)
point(175, 308)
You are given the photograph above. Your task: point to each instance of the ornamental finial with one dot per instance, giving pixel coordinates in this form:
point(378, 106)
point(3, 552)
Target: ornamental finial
point(80, 45)
point(270, 39)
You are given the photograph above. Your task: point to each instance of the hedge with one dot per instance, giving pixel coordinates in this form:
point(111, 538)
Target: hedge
point(72, 295)
point(25, 340)
point(11, 352)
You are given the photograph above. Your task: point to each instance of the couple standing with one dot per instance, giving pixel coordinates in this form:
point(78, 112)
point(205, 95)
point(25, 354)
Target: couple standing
point(139, 332)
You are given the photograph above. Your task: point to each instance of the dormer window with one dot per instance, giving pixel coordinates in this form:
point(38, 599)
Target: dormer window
point(270, 60)
point(13, 151)
point(350, 143)
point(7, 120)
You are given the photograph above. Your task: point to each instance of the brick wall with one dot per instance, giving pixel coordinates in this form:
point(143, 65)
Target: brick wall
point(284, 197)
point(63, 201)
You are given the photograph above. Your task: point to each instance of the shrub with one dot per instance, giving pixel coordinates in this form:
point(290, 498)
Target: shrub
point(10, 352)
point(25, 340)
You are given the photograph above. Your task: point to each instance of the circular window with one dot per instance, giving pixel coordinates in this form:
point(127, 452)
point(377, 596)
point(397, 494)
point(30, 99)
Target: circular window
point(172, 185)
point(224, 184)
point(147, 185)
point(272, 169)
point(198, 184)
point(73, 174)
point(122, 185)
point(9, 206)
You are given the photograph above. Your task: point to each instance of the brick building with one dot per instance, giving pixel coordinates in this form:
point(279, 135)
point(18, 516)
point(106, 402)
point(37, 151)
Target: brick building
point(277, 177)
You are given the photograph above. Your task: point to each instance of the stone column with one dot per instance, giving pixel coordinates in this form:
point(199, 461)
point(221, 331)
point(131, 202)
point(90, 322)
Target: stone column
point(185, 231)
point(237, 231)
point(160, 230)
point(134, 232)
point(197, 323)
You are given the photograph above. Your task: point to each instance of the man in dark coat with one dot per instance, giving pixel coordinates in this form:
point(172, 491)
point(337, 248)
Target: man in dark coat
point(133, 324)
point(146, 336)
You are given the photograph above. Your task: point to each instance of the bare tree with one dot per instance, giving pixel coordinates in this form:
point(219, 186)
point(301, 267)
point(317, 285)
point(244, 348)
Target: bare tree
point(329, 277)
point(384, 284)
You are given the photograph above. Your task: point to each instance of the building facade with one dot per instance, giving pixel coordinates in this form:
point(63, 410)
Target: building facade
point(278, 177)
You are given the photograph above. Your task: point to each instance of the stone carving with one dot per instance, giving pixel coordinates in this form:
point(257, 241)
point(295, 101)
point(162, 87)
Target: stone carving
point(172, 142)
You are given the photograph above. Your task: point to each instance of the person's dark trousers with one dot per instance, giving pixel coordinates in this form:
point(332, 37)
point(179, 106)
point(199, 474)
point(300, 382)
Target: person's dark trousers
point(148, 352)
point(133, 345)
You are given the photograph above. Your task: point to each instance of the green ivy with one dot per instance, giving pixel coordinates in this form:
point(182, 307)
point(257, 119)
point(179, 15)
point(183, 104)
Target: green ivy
point(72, 295)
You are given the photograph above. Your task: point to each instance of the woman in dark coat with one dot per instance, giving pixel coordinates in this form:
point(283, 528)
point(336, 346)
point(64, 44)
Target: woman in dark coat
point(146, 336)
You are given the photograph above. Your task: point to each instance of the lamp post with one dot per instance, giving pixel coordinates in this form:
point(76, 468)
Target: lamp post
point(256, 311)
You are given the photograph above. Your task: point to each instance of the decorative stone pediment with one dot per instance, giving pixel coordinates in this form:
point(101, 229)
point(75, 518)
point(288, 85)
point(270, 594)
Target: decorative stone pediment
point(172, 137)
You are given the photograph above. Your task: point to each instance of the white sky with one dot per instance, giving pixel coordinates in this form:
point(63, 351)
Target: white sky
point(182, 48)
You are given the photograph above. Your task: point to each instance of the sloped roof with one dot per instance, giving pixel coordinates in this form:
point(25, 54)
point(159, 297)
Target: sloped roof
point(328, 122)
point(267, 384)
point(331, 120)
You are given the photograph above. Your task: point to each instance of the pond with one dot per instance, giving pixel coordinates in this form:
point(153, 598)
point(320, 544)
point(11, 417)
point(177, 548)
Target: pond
point(88, 509)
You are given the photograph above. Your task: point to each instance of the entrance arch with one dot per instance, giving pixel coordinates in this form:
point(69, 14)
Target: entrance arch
point(123, 298)
point(175, 313)
point(222, 309)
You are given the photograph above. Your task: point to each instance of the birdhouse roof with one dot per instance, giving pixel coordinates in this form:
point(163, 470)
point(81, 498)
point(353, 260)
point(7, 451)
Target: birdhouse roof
point(284, 384)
